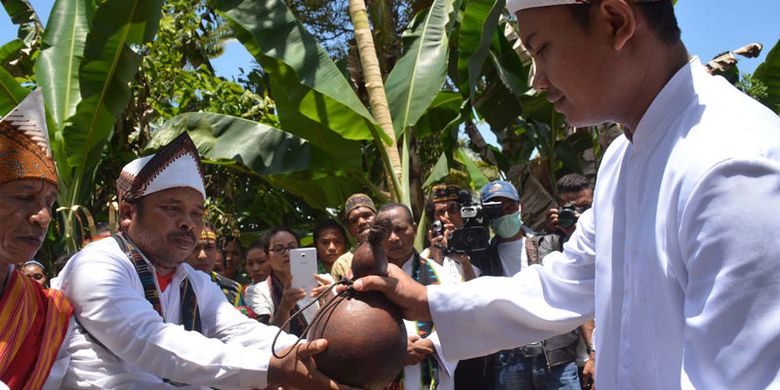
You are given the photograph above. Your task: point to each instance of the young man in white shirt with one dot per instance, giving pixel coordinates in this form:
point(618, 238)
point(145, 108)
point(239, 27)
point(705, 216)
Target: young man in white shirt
point(675, 257)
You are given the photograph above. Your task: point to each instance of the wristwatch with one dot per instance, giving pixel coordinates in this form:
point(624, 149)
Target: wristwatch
point(591, 350)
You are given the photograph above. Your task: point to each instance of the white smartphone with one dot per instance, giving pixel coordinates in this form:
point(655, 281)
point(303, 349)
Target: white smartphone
point(303, 267)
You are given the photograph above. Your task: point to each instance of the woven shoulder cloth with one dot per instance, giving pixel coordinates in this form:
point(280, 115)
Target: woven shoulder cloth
point(190, 315)
point(423, 273)
point(33, 325)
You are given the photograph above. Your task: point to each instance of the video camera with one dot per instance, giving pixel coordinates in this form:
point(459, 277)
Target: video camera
point(477, 217)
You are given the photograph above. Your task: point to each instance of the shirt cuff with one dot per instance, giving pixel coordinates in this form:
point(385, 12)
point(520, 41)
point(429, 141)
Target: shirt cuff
point(448, 365)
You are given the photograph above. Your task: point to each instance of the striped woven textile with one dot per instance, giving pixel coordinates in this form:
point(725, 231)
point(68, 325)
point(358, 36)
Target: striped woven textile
point(33, 324)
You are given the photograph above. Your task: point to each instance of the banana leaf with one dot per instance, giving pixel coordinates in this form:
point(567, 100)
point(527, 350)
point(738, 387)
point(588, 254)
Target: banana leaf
point(10, 50)
point(439, 116)
point(22, 14)
point(477, 179)
point(419, 75)
point(11, 93)
point(111, 60)
point(271, 33)
point(480, 21)
point(61, 53)
point(440, 170)
point(282, 159)
point(769, 74)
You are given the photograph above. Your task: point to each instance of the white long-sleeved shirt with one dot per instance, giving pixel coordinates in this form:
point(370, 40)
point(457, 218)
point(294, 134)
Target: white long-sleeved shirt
point(679, 253)
point(120, 341)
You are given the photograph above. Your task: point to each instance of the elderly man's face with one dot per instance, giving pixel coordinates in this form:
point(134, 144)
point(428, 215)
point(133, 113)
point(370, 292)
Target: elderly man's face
point(572, 64)
point(399, 245)
point(167, 224)
point(25, 214)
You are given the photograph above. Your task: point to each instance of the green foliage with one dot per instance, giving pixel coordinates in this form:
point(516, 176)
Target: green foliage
point(283, 47)
point(768, 73)
point(11, 93)
point(419, 75)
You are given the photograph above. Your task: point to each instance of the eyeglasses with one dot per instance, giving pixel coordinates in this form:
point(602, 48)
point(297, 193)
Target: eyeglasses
point(281, 248)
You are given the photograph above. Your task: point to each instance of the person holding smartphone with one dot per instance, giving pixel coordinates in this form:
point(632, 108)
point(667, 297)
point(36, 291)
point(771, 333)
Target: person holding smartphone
point(276, 299)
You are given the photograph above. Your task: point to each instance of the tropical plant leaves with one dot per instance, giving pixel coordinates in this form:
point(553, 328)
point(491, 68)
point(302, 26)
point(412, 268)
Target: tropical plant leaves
point(480, 22)
point(262, 148)
point(278, 40)
point(477, 179)
point(11, 93)
point(769, 74)
point(111, 60)
point(282, 159)
point(419, 75)
point(444, 109)
point(440, 170)
point(22, 14)
point(61, 53)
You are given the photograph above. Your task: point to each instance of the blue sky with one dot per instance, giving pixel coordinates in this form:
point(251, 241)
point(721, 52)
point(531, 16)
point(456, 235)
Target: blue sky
point(709, 27)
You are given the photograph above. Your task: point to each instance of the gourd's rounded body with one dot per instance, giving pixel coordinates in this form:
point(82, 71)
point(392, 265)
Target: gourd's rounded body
point(366, 340)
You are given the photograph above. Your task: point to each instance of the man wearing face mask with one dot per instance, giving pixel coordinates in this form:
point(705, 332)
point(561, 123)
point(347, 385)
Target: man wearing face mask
point(551, 362)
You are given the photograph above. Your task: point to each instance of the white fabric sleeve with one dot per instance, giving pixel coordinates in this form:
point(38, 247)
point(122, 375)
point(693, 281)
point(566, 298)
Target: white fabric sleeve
point(259, 299)
point(489, 314)
point(107, 305)
point(728, 235)
point(449, 365)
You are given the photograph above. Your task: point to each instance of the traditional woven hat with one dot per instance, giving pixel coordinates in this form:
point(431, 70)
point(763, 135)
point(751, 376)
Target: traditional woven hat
point(444, 193)
point(358, 200)
point(517, 5)
point(25, 152)
point(174, 165)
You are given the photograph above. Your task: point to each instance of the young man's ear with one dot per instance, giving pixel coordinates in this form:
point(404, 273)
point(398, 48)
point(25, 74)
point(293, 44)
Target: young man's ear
point(622, 19)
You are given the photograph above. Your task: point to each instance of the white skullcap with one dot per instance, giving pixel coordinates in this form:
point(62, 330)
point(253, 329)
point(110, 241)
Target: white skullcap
point(518, 5)
point(174, 165)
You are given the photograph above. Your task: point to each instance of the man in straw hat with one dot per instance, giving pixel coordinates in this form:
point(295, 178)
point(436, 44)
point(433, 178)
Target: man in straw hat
point(33, 320)
point(677, 258)
point(146, 318)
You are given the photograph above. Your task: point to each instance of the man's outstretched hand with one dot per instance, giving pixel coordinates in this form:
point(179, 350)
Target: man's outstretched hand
point(399, 288)
point(297, 370)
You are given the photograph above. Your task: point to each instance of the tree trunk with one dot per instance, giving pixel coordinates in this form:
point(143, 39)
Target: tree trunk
point(376, 90)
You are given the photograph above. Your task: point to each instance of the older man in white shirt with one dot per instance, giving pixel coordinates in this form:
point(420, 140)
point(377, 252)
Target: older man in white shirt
point(146, 319)
point(677, 258)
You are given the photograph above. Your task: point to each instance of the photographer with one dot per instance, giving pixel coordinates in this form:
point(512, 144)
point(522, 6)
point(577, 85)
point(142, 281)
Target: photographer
point(575, 195)
point(551, 362)
point(443, 210)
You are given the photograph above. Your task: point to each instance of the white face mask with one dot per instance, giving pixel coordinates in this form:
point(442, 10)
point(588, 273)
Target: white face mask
point(508, 225)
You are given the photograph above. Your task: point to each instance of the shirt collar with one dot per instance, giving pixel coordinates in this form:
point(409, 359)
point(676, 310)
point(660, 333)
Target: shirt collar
point(674, 97)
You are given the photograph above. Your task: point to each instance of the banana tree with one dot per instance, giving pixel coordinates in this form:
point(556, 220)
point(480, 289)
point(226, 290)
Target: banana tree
point(88, 56)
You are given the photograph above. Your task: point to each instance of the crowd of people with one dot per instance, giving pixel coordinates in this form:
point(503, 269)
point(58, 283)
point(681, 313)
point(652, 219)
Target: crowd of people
point(655, 278)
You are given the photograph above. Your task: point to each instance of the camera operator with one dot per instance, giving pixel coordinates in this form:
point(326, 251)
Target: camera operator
point(550, 362)
point(443, 210)
point(575, 195)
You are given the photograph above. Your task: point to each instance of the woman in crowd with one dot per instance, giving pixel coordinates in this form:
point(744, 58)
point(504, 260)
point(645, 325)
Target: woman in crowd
point(36, 271)
point(274, 301)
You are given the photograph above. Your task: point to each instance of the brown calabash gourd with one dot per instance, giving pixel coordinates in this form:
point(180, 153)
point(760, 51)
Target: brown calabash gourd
point(365, 332)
